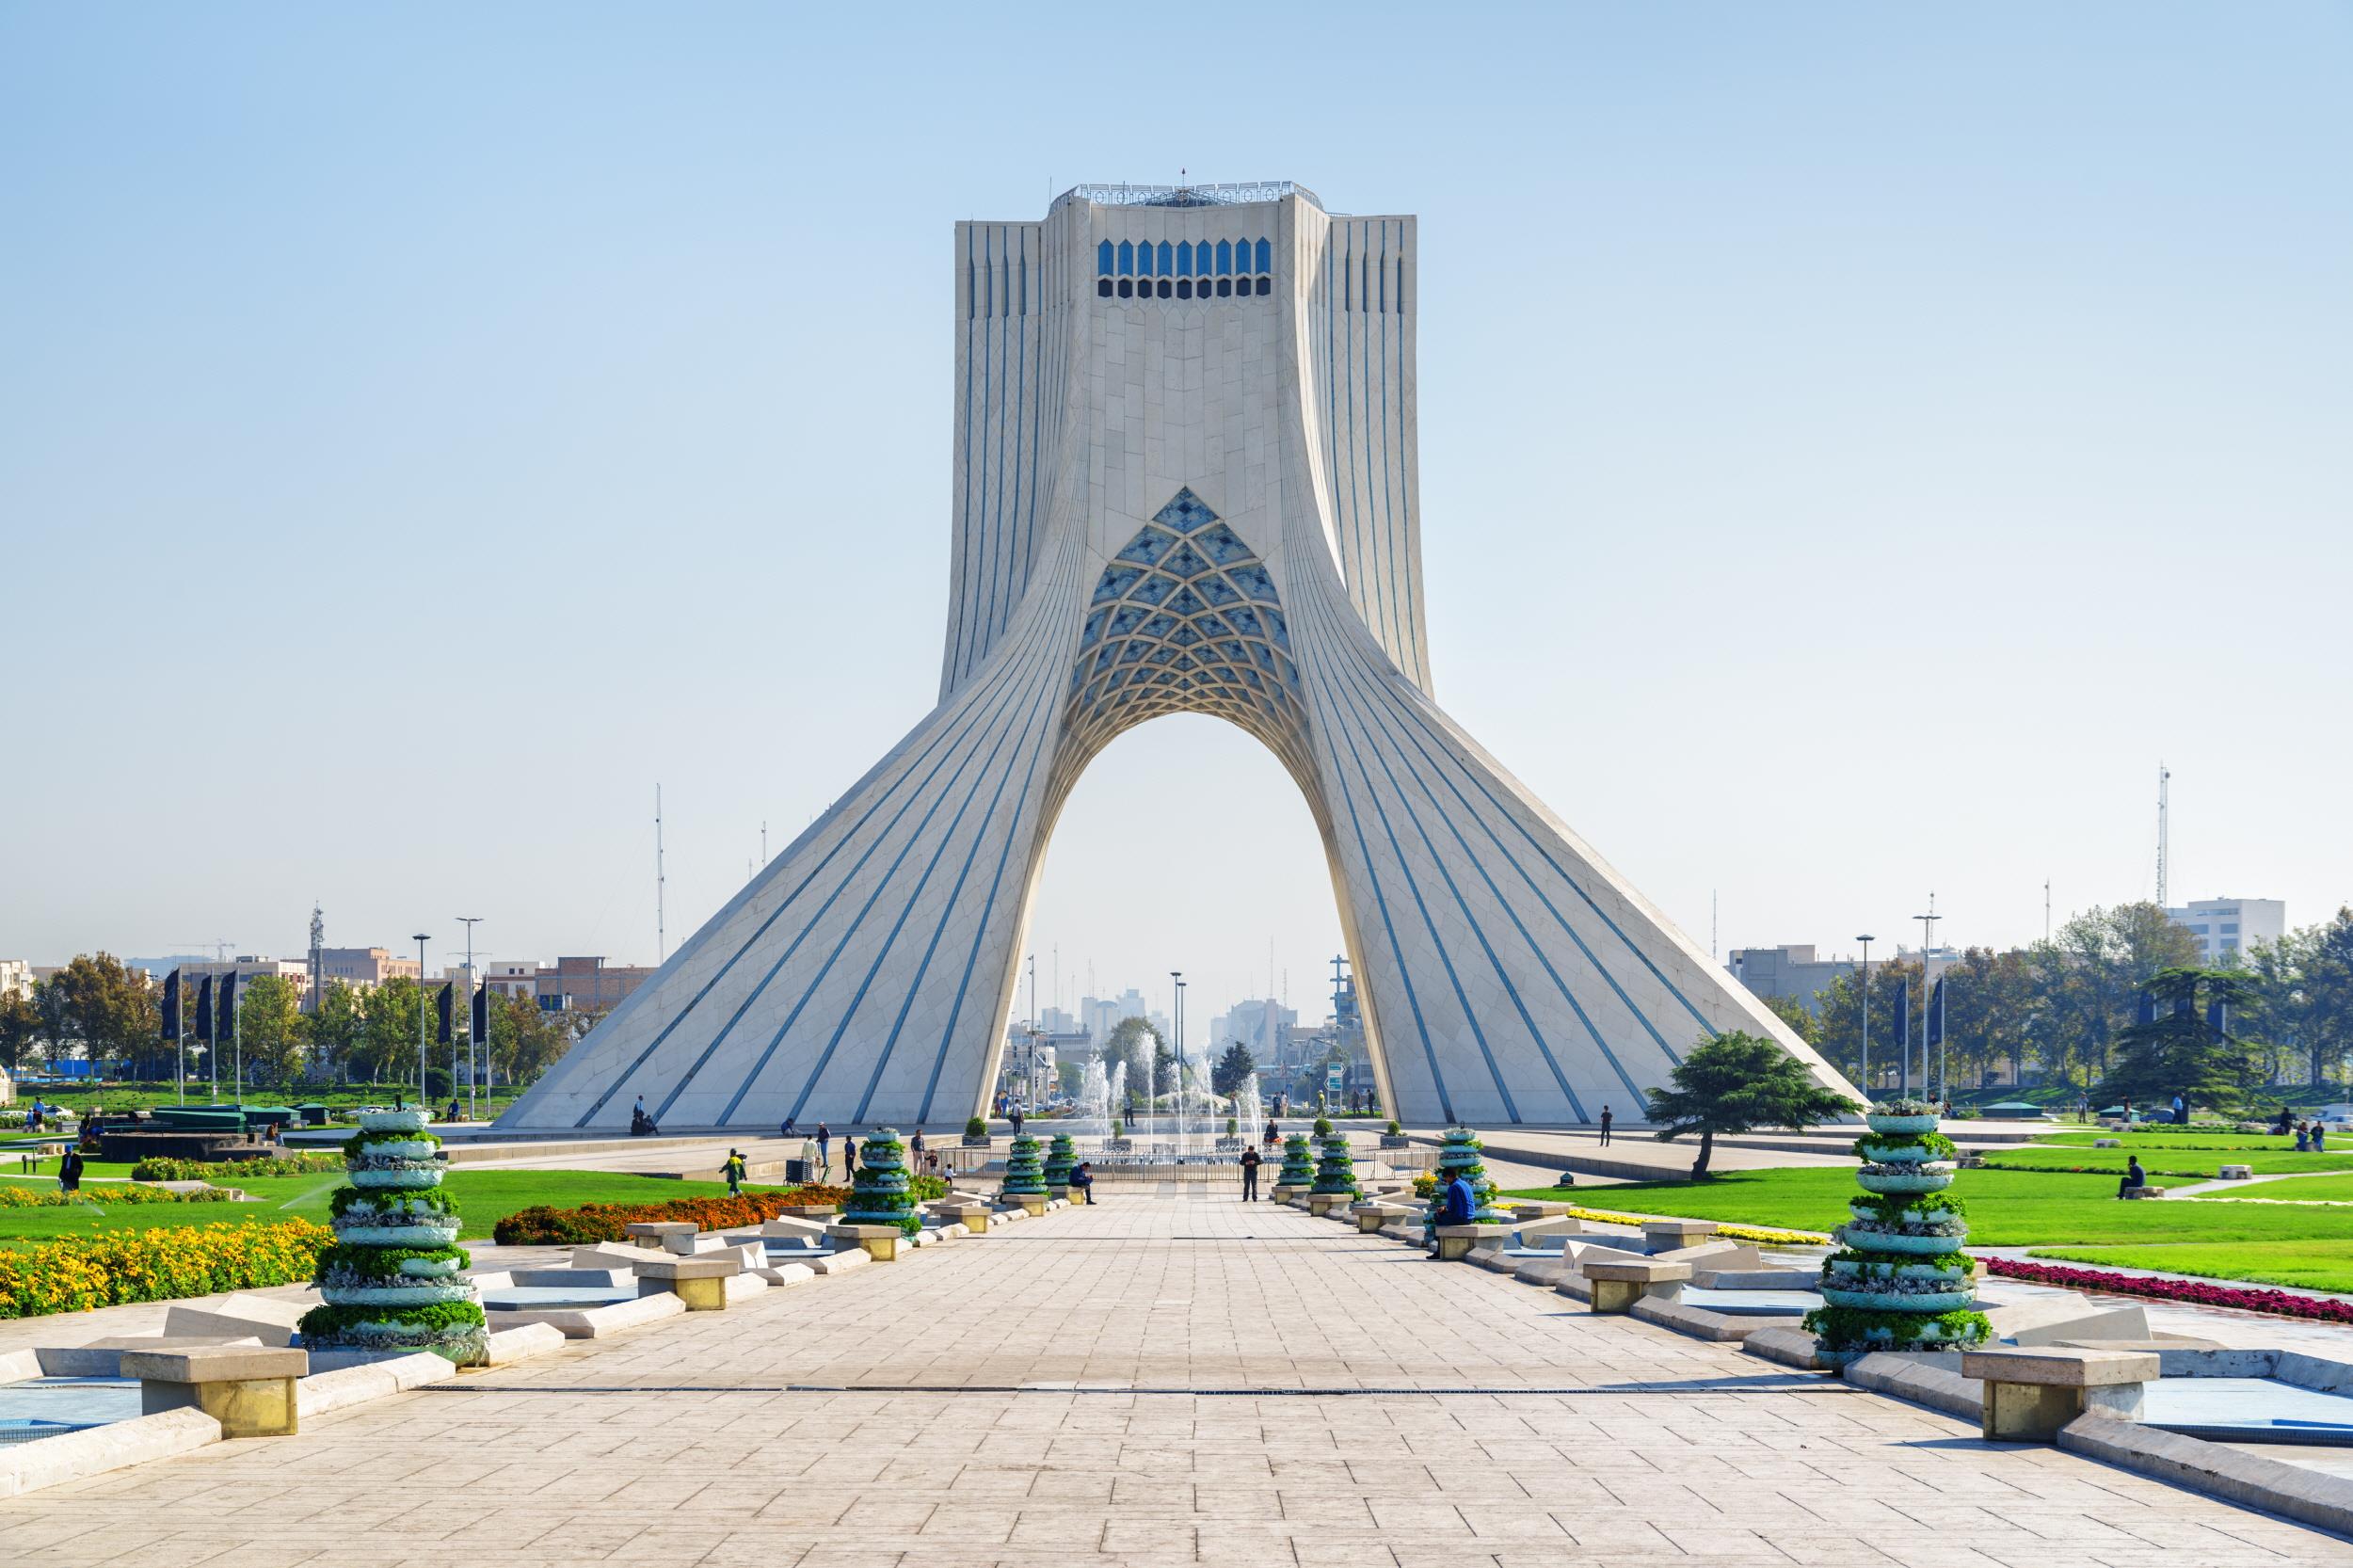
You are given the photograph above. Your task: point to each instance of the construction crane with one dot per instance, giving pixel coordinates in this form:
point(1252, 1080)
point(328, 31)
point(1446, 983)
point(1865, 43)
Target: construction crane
point(221, 946)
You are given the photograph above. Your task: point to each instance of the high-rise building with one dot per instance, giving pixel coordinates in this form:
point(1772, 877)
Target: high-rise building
point(2224, 928)
point(1187, 479)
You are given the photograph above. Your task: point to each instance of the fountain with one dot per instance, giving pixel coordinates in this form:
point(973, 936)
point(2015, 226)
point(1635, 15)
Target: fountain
point(1249, 1115)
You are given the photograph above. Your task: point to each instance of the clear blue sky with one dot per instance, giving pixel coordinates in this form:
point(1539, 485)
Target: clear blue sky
point(1858, 442)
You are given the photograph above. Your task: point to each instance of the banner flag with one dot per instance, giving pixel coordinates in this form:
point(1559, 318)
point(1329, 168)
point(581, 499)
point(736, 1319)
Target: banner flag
point(440, 1012)
point(172, 1006)
point(482, 1013)
point(1936, 1013)
point(204, 1010)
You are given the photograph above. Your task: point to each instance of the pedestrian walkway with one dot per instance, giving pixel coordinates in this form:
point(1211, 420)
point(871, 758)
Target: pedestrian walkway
point(1148, 1382)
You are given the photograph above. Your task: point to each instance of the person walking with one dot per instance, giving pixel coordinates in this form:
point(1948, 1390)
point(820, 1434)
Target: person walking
point(2303, 1138)
point(916, 1144)
point(849, 1155)
point(734, 1171)
point(1013, 1115)
point(825, 1152)
point(1249, 1174)
point(1605, 1120)
point(70, 1170)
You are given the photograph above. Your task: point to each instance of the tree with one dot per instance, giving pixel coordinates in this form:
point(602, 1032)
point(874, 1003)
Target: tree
point(387, 1052)
point(1232, 1068)
point(525, 1041)
point(1798, 1016)
point(1135, 1042)
point(270, 1015)
point(110, 1010)
point(20, 1026)
point(1737, 1082)
point(2179, 1050)
point(335, 1027)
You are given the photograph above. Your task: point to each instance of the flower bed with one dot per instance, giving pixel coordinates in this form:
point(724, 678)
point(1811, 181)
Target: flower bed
point(156, 1168)
point(610, 1222)
point(117, 1192)
point(1765, 1235)
point(77, 1274)
point(2190, 1291)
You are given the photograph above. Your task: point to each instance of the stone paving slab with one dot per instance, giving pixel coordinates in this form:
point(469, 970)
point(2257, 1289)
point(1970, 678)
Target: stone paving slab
point(1146, 1382)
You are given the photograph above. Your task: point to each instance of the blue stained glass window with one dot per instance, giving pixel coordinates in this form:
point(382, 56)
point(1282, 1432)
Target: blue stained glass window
point(1143, 258)
point(1224, 257)
point(1103, 258)
point(1127, 259)
point(1201, 258)
point(1164, 254)
point(1266, 257)
point(1184, 258)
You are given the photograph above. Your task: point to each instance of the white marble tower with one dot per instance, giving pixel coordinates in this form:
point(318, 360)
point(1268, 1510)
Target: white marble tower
point(1185, 482)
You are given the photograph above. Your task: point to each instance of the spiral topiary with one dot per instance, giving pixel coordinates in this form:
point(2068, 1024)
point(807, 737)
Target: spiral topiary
point(1024, 1176)
point(1900, 1281)
point(1335, 1172)
point(1460, 1152)
point(878, 1193)
point(394, 1279)
point(1061, 1155)
point(1299, 1165)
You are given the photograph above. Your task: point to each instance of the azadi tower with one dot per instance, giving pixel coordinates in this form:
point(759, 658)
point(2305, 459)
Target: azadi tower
point(1186, 481)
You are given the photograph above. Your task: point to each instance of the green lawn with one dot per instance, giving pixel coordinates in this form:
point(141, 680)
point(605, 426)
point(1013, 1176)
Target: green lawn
point(2314, 1265)
point(2293, 1189)
point(2169, 1161)
point(2184, 1139)
point(484, 1197)
point(343, 1096)
point(2006, 1208)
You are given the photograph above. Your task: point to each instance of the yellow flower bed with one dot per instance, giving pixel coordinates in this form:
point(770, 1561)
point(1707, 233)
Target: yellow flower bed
point(77, 1274)
point(1729, 1232)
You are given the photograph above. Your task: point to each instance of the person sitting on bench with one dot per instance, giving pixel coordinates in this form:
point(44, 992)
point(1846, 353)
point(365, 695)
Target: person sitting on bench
point(2134, 1176)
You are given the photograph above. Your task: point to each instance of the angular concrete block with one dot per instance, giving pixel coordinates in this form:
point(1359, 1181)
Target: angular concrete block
point(74, 1455)
point(264, 1318)
point(508, 1345)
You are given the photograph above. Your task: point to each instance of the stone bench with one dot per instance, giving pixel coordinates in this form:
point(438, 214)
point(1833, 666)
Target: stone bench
point(1456, 1242)
point(1675, 1234)
point(677, 1235)
point(248, 1389)
point(1371, 1217)
point(1030, 1204)
point(2030, 1392)
point(1616, 1286)
point(2144, 1191)
point(2235, 1173)
point(700, 1284)
point(972, 1213)
point(2107, 1143)
point(880, 1242)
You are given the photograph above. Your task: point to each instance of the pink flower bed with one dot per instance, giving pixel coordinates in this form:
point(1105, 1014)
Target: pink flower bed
point(2194, 1292)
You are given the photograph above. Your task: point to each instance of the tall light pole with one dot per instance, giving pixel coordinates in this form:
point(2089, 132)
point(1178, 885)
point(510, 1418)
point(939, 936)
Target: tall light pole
point(422, 939)
point(1866, 941)
point(470, 921)
point(1177, 1026)
point(1028, 1048)
point(1927, 942)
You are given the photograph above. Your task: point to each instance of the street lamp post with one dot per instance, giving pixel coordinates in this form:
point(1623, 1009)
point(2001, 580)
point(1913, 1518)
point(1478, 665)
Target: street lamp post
point(1866, 941)
point(471, 1073)
point(422, 939)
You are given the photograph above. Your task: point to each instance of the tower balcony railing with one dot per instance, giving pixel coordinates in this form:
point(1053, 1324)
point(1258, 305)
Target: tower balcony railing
point(1231, 195)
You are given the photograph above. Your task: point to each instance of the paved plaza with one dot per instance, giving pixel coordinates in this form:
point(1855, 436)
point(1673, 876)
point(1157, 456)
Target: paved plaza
point(1151, 1381)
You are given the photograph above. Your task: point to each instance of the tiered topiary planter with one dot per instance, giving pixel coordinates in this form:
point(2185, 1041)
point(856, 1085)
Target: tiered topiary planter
point(394, 1279)
point(1298, 1173)
point(1025, 1177)
point(1900, 1281)
point(1062, 1157)
point(1460, 1152)
point(878, 1193)
point(1335, 1175)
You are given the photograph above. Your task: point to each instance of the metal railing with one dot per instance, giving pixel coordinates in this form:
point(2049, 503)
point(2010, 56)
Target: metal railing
point(1225, 195)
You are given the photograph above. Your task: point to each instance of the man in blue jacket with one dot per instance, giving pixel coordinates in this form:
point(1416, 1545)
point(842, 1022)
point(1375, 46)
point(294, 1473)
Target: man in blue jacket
point(1460, 1203)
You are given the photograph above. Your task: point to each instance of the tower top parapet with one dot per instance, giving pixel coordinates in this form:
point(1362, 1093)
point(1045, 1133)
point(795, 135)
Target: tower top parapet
point(1233, 194)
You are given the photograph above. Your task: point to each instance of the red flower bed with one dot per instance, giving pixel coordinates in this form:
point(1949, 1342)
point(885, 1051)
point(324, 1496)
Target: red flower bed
point(610, 1222)
point(2192, 1292)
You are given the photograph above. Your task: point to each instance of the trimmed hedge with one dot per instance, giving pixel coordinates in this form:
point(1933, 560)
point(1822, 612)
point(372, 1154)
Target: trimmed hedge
point(156, 1168)
point(106, 1196)
point(609, 1221)
point(76, 1274)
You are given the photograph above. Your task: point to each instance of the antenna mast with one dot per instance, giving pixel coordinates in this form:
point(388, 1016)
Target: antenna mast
point(2164, 778)
point(661, 884)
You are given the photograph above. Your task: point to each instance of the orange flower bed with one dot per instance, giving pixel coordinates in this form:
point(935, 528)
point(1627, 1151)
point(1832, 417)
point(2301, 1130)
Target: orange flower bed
point(609, 1221)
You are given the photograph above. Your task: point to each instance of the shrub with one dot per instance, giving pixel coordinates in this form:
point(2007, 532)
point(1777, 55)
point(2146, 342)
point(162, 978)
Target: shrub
point(1323, 1126)
point(976, 1127)
point(1393, 1128)
point(77, 1274)
point(609, 1221)
point(924, 1189)
point(156, 1168)
point(104, 1197)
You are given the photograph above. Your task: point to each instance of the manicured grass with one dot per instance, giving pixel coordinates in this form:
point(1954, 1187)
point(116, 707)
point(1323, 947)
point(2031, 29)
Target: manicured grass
point(45, 1171)
point(145, 1097)
point(2177, 1139)
point(2168, 1162)
point(2293, 1189)
point(2006, 1208)
point(484, 1197)
point(2313, 1265)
